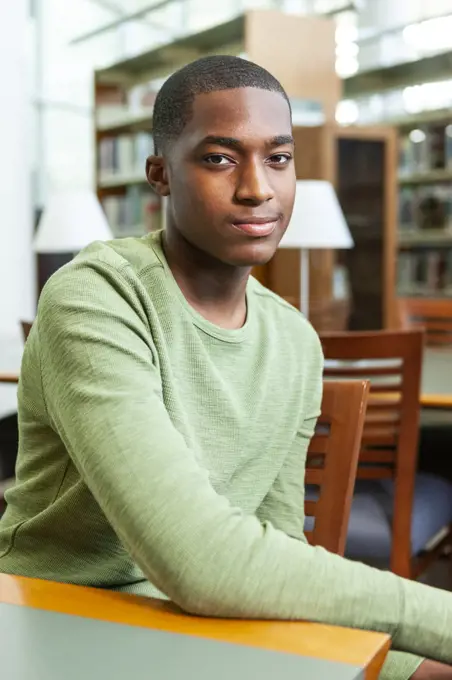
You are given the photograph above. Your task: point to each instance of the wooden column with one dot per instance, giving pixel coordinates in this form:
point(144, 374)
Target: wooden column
point(315, 158)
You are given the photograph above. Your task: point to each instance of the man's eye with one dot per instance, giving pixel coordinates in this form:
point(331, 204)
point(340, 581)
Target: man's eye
point(217, 159)
point(280, 159)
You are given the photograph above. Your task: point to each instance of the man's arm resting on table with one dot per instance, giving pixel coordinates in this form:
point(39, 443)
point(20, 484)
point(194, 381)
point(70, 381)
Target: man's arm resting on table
point(284, 508)
point(103, 394)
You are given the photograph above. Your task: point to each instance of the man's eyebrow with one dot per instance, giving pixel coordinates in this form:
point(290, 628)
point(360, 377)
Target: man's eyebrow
point(222, 141)
point(280, 140)
point(231, 142)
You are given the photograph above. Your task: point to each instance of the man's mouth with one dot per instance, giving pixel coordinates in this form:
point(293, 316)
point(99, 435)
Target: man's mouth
point(257, 226)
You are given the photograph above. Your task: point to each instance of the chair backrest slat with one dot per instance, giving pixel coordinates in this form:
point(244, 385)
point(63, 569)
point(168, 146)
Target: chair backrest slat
point(332, 461)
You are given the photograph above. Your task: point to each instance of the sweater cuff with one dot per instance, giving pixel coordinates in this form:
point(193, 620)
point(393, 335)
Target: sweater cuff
point(400, 666)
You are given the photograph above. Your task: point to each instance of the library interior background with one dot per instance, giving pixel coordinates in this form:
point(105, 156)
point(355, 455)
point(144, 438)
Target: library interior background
point(370, 82)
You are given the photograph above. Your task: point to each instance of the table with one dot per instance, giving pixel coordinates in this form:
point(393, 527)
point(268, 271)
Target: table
point(363, 651)
point(437, 378)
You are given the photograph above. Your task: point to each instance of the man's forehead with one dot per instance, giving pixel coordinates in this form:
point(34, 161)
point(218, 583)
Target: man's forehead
point(237, 113)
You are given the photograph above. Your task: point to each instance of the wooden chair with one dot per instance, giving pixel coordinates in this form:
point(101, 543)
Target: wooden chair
point(11, 378)
point(395, 513)
point(331, 463)
point(433, 315)
point(26, 328)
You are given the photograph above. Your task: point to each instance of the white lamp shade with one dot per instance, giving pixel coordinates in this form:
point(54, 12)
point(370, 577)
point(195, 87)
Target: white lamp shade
point(71, 221)
point(317, 219)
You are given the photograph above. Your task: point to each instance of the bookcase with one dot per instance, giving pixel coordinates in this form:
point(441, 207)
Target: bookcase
point(425, 206)
point(125, 93)
point(424, 267)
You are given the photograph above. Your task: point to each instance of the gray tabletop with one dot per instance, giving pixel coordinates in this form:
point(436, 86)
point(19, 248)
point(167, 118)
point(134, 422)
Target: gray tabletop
point(41, 645)
point(437, 371)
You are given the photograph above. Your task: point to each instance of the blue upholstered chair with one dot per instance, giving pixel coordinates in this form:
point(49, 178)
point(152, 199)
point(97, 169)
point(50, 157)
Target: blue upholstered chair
point(399, 518)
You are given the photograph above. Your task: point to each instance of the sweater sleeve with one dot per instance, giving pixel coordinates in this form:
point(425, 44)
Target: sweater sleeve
point(103, 395)
point(283, 506)
point(400, 666)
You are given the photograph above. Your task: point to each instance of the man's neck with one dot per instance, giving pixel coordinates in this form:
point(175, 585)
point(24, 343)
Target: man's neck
point(215, 290)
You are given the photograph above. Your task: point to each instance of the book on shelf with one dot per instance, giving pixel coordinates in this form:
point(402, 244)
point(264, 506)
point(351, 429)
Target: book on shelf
point(124, 154)
point(134, 213)
point(434, 207)
point(142, 95)
point(425, 272)
point(413, 153)
point(425, 207)
point(426, 148)
point(125, 106)
point(448, 133)
point(407, 208)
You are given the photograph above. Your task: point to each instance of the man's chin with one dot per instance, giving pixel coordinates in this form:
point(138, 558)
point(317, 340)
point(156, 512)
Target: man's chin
point(252, 255)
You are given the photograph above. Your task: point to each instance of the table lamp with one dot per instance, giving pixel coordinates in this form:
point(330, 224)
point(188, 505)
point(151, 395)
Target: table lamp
point(317, 222)
point(71, 220)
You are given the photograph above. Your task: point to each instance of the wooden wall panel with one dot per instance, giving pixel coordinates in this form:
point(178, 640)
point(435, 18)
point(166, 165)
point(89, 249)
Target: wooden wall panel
point(306, 62)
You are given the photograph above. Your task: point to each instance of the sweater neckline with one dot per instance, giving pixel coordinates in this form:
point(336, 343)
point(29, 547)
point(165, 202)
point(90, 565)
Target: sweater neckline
point(234, 335)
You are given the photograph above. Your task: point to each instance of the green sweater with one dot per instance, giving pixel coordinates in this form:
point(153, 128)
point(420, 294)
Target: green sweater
point(158, 448)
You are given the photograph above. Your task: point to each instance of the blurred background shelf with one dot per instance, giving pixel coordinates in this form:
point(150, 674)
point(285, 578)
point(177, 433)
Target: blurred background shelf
point(120, 181)
point(422, 70)
point(225, 38)
point(434, 237)
point(124, 119)
point(427, 177)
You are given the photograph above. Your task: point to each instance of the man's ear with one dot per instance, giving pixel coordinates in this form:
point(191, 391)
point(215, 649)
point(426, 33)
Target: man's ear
point(157, 175)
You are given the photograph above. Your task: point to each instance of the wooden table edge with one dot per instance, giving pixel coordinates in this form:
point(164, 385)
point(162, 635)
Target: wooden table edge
point(436, 401)
point(426, 399)
point(368, 650)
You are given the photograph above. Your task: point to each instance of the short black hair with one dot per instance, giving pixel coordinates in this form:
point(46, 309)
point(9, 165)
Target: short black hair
point(174, 102)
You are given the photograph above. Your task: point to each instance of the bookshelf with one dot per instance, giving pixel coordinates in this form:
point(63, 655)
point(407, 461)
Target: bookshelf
point(427, 177)
point(424, 240)
point(429, 68)
point(425, 206)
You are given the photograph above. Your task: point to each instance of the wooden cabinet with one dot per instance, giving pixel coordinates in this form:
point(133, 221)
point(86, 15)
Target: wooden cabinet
point(361, 163)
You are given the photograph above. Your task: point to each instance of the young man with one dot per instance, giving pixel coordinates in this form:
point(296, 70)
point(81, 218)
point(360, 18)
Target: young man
point(167, 399)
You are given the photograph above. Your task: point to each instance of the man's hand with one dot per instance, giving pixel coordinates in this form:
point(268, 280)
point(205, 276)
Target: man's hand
point(431, 670)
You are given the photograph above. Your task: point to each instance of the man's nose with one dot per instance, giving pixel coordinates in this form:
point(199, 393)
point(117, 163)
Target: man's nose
point(253, 185)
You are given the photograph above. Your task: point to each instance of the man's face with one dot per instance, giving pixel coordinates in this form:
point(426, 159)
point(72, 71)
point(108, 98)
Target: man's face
point(231, 176)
